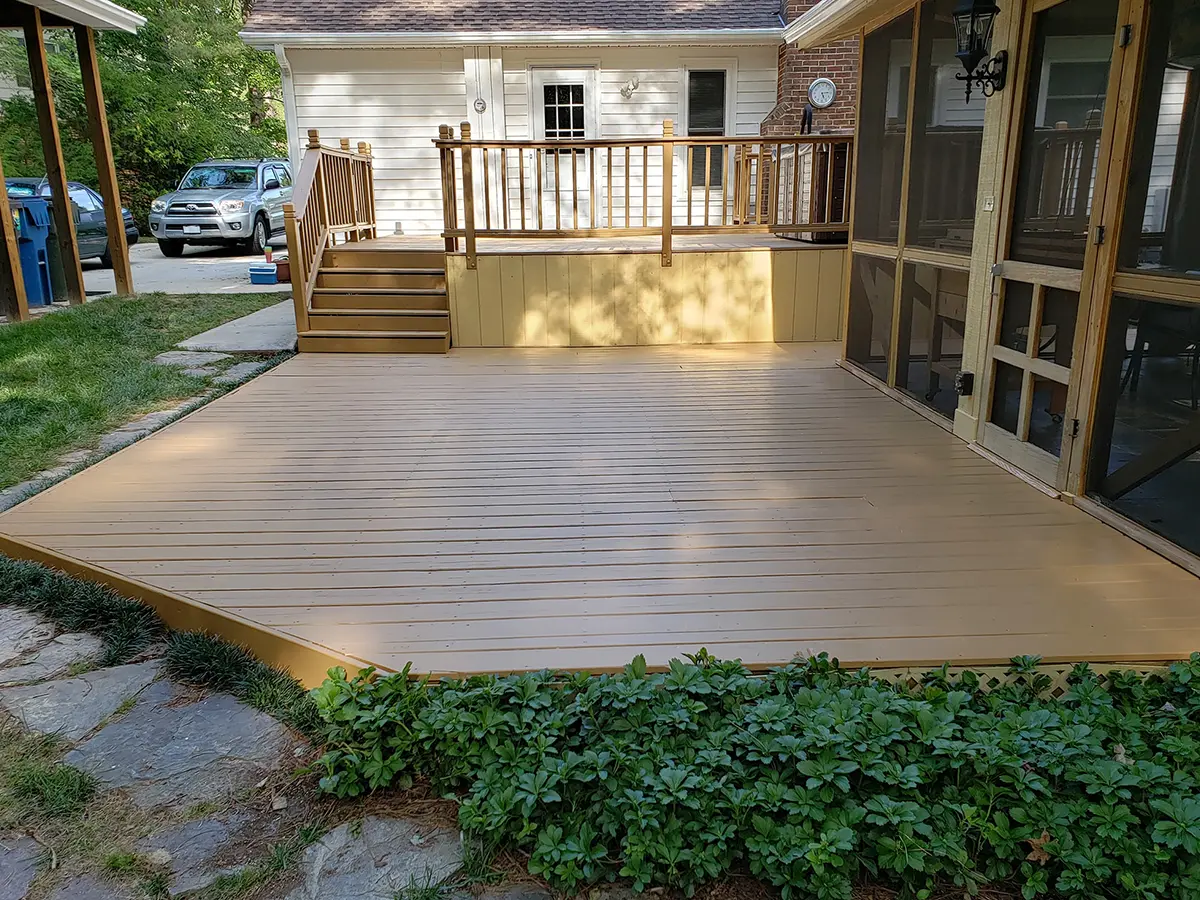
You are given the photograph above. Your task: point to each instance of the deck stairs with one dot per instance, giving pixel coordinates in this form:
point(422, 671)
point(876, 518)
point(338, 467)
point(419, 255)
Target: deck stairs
point(378, 300)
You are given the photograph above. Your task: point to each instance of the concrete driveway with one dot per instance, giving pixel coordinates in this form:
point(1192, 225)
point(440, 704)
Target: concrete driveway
point(201, 270)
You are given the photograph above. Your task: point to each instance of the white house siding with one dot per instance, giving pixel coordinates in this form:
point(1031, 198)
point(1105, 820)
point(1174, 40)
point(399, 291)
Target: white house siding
point(394, 99)
point(661, 93)
point(1166, 146)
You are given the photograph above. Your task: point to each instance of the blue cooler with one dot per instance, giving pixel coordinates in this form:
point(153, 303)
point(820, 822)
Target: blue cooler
point(263, 273)
point(32, 217)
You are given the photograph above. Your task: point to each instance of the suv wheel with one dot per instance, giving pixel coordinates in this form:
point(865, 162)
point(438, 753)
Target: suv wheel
point(106, 261)
point(260, 236)
point(171, 248)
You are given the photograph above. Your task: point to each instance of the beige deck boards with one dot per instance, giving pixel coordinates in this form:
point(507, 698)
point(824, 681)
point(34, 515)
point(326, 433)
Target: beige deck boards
point(507, 510)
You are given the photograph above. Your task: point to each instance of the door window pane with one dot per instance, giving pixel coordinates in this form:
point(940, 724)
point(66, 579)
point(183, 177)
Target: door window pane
point(1015, 315)
point(882, 108)
point(1146, 442)
point(1006, 397)
point(1056, 336)
point(706, 118)
point(947, 141)
point(933, 312)
point(1060, 137)
point(84, 199)
point(1046, 416)
point(564, 112)
point(1162, 210)
point(869, 336)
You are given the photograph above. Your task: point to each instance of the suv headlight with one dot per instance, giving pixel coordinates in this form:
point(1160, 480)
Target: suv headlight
point(158, 206)
point(232, 206)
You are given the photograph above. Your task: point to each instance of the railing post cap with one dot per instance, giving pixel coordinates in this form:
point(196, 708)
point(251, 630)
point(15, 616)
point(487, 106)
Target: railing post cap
point(465, 129)
point(668, 128)
point(314, 138)
point(345, 142)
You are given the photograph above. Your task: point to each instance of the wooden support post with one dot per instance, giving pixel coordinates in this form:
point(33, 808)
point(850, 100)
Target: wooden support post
point(106, 172)
point(446, 160)
point(13, 302)
point(668, 189)
point(354, 234)
point(56, 170)
point(468, 196)
point(297, 267)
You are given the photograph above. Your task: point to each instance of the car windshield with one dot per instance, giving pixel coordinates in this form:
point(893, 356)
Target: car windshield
point(204, 177)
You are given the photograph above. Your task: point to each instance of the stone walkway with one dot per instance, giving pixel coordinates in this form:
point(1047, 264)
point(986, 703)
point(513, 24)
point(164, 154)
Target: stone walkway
point(210, 781)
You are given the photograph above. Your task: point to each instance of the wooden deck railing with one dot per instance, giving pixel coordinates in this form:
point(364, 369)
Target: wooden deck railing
point(641, 186)
point(333, 201)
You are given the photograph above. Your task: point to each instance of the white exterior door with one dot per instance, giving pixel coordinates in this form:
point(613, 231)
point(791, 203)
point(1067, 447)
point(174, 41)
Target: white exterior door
point(564, 106)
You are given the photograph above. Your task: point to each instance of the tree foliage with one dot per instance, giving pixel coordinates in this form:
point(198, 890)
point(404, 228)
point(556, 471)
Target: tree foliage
point(184, 88)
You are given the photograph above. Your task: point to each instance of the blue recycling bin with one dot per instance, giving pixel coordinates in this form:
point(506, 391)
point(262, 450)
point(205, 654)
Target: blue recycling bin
point(32, 216)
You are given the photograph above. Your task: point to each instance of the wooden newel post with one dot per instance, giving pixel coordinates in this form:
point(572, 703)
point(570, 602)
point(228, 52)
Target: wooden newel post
point(314, 139)
point(299, 276)
point(13, 301)
point(446, 162)
point(345, 142)
point(468, 196)
point(668, 210)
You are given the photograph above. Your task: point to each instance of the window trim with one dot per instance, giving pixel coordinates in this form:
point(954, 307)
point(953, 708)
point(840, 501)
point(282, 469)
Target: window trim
point(728, 64)
point(541, 75)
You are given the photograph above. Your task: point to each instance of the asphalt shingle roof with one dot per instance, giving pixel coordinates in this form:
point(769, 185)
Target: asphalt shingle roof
point(434, 16)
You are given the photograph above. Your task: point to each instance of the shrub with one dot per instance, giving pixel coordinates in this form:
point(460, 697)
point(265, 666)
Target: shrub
point(815, 778)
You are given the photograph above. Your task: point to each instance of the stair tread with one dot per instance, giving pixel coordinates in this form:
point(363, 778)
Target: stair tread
point(380, 270)
point(379, 291)
point(327, 332)
point(434, 313)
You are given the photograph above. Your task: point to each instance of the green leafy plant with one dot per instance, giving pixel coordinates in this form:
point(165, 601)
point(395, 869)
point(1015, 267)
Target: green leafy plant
point(815, 778)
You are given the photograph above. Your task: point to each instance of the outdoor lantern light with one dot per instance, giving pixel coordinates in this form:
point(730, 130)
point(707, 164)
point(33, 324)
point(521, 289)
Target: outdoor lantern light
point(973, 24)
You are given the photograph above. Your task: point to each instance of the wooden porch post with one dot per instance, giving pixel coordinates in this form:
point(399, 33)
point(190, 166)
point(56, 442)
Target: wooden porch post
point(106, 172)
point(668, 207)
point(13, 302)
point(468, 196)
point(56, 171)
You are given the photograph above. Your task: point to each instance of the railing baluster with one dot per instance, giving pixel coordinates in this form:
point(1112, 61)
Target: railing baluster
point(687, 175)
point(574, 189)
point(828, 154)
point(645, 187)
point(537, 153)
point(592, 185)
point(487, 190)
point(609, 189)
point(707, 175)
point(521, 183)
point(668, 152)
point(504, 185)
point(557, 193)
point(626, 185)
point(795, 217)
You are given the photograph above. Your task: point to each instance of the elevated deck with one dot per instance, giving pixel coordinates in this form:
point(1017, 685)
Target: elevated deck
point(519, 509)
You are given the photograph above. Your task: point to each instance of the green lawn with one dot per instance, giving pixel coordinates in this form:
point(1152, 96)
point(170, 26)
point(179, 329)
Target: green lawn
point(71, 376)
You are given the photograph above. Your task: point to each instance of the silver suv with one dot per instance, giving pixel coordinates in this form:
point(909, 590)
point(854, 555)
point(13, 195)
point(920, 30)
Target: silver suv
point(224, 201)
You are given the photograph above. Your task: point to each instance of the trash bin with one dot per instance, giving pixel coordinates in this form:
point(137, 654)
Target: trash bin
point(33, 230)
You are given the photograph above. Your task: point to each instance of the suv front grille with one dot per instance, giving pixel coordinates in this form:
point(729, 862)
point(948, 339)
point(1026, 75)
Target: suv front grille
point(191, 209)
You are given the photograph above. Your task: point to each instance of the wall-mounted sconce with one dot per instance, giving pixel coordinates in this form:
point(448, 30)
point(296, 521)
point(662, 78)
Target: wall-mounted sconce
point(630, 86)
point(974, 21)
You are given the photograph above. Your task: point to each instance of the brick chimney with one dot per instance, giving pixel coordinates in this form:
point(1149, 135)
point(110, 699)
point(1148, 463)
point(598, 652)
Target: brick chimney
point(799, 68)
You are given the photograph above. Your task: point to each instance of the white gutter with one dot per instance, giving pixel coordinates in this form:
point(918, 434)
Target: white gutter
point(697, 37)
point(102, 14)
point(290, 120)
point(833, 20)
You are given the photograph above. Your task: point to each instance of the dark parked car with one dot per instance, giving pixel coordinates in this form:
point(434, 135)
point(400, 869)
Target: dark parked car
point(91, 228)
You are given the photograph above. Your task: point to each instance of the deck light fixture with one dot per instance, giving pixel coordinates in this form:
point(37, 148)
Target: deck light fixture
point(974, 21)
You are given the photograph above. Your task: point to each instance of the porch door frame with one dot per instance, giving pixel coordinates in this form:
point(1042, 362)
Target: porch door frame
point(542, 75)
point(1062, 471)
point(1110, 279)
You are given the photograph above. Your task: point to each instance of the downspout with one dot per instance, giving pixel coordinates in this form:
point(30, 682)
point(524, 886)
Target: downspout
point(291, 125)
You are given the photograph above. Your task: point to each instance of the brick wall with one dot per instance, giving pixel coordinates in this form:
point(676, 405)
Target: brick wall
point(799, 68)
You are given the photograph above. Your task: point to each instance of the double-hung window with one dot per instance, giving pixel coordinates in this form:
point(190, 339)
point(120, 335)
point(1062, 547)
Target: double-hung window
point(706, 92)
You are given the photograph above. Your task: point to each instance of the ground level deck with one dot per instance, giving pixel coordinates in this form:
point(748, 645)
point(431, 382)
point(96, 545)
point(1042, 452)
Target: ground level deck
point(496, 510)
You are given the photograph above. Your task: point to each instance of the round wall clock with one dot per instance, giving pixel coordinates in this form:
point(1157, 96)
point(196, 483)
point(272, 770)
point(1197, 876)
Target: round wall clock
point(822, 93)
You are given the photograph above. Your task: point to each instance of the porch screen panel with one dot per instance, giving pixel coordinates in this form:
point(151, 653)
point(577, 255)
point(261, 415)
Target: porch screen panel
point(947, 141)
point(872, 297)
point(883, 113)
point(933, 312)
point(1162, 213)
point(1146, 444)
point(1060, 136)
